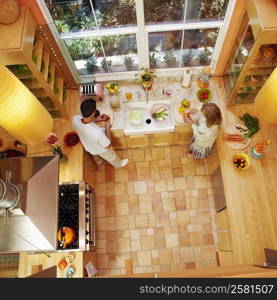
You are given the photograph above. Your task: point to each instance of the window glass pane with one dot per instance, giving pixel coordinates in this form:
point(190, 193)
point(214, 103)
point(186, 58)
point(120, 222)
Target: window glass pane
point(71, 16)
point(163, 11)
point(198, 46)
point(205, 10)
point(115, 13)
point(121, 52)
point(86, 54)
point(164, 49)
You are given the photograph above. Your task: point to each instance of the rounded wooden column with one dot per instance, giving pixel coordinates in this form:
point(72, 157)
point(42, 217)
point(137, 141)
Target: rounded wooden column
point(21, 114)
point(266, 100)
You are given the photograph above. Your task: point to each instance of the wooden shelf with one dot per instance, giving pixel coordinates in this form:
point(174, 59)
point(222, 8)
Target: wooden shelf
point(45, 64)
point(37, 53)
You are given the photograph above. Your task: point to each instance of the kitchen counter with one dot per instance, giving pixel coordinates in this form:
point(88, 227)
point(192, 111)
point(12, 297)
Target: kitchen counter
point(251, 195)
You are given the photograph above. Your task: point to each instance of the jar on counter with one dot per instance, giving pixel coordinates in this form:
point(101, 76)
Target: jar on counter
point(115, 103)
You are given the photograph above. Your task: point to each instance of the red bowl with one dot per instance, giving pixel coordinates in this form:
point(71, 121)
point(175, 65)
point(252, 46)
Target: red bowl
point(71, 139)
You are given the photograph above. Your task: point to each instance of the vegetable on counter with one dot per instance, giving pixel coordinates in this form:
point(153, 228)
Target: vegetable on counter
point(252, 123)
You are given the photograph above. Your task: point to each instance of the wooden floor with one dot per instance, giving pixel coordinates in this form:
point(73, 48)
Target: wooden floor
point(156, 214)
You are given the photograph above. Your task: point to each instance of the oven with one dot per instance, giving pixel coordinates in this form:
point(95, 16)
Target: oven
point(76, 217)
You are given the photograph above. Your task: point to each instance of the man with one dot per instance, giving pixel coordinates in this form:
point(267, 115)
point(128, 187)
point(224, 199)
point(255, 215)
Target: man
point(96, 140)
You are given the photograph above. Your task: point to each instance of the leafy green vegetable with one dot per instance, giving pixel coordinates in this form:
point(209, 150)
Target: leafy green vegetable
point(252, 123)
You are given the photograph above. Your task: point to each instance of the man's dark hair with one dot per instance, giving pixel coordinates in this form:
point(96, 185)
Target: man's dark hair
point(88, 107)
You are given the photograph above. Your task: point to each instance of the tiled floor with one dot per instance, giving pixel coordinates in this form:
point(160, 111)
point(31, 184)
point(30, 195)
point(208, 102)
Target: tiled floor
point(158, 211)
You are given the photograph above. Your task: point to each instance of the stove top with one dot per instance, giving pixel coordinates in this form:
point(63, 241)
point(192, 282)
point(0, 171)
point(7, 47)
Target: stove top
point(69, 212)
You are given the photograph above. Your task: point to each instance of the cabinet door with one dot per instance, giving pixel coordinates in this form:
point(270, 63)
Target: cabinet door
point(137, 141)
point(161, 139)
point(118, 139)
point(182, 134)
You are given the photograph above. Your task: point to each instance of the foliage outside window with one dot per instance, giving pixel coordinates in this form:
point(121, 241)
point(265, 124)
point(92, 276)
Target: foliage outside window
point(101, 53)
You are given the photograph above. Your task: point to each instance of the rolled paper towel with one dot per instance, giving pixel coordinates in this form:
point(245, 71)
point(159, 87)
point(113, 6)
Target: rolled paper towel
point(99, 91)
point(186, 78)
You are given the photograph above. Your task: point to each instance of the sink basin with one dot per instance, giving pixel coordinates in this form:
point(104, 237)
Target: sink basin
point(135, 110)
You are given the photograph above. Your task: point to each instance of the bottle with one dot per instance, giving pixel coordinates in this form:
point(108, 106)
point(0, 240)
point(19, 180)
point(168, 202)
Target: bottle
point(186, 78)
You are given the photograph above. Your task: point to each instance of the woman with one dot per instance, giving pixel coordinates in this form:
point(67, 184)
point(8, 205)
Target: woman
point(205, 130)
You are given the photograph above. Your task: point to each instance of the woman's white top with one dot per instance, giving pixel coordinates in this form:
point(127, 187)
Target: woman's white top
point(204, 136)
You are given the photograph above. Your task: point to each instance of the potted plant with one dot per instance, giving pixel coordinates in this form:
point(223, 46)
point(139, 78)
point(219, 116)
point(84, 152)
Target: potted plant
point(145, 77)
point(128, 60)
point(186, 58)
point(91, 64)
point(204, 57)
point(170, 59)
point(106, 63)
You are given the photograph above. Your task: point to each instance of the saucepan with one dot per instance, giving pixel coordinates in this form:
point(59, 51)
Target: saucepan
point(66, 236)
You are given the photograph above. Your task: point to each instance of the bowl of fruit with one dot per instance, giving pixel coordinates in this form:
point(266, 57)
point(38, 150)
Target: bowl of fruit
point(241, 161)
point(204, 95)
point(112, 87)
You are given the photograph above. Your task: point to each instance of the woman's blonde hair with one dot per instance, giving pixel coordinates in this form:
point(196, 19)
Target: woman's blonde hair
point(212, 114)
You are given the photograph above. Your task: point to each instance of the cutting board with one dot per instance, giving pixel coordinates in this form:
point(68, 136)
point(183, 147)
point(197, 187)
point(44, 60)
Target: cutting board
point(231, 129)
point(179, 116)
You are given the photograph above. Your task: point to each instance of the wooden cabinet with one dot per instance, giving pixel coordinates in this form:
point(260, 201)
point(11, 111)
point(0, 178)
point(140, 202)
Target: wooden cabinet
point(134, 141)
point(254, 53)
point(182, 134)
point(161, 139)
point(118, 139)
point(27, 53)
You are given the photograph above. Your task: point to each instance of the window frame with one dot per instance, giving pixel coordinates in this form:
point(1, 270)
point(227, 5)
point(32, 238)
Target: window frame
point(141, 30)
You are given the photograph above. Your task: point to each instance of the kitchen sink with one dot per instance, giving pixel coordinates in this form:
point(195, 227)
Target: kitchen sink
point(143, 123)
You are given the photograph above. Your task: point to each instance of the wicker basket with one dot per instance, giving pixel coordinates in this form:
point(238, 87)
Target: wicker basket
point(9, 11)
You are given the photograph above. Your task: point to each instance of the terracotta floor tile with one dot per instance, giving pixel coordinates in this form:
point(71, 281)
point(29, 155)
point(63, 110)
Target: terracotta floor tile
point(176, 255)
point(111, 246)
point(121, 209)
point(140, 187)
point(165, 163)
point(173, 218)
point(171, 229)
point(100, 189)
point(194, 228)
point(165, 268)
point(179, 200)
point(101, 224)
point(150, 186)
point(155, 173)
point(145, 206)
point(177, 172)
point(157, 153)
point(100, 177)
point(131, 166)
point(133, 204)
point(172, 240)
point(188, 169)
point(100, 210)
point(131, 188)
point(138, 155)
point(176, 152)
point(187, 254)
point(169, 204)
point(202, 181)
point(160, 185)
point(152, 219)
point(120, 188)
point(111, 223)
point(143, 173)
point(110, 189)
point(100, 235)
point(183, 217)
point(121, 222)
point(141, 220)
point(204, 216)
point(208, 252)
point(144, 258)
point(123, 245)
point(121, 175)
point(190, 265)
point(148, 154)
point(180, 183)
point(163, 219)
point(132, 175)
point(165, 256)
point(196, 238)
point(166, 172)
point(136, 245)
point(135, 234)
point(159, 232)
point(208, 239)
point(184, 240)
point(147, 242)
point(123, 234)
point(111, 235)
point(159, 243)
point(102, 261)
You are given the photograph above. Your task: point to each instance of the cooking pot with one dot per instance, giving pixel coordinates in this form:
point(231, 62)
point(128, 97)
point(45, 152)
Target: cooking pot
point(9, 195)
point(66, 236)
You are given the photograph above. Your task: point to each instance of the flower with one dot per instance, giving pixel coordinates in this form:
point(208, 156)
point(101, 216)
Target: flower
point(145, 75)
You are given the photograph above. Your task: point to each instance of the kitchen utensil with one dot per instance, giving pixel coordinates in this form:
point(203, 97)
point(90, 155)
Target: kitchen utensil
point(66, 236)
point(9, 195)
point(70, 272)
point(237, 128)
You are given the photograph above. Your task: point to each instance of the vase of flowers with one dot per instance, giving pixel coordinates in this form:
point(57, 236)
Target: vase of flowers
point(145, 77)
point(57, 150)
